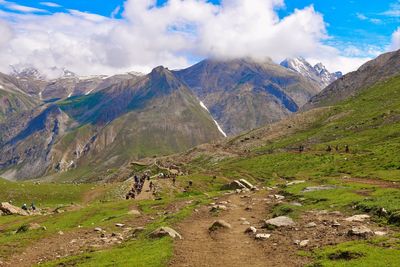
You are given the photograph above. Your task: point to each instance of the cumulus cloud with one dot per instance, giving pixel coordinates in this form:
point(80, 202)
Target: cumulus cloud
point(148, 35)
point(50, 4)
point(395, 45)
point(20, 8)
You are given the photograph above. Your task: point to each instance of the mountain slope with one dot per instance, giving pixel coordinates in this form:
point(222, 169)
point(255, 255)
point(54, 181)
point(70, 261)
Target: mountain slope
point(379, 69)
point(243, 94)
point(136, 118)
point(318, 74)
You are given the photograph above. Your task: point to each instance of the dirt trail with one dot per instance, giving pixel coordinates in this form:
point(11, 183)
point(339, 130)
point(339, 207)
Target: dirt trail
point(231, 247)
point(374, 182)
point(146, 193)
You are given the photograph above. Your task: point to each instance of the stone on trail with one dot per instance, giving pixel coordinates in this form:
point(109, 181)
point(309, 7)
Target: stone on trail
point(216, 208)
point(280, 221)
point(358, 218)
point(165, 231)
point(360, 231)
point(262, 236)
point(251, 230)
point(246, 183)
point(279, 197)
point(295, 182)
point(119, 225)
point(380, 233)
point(98, 229)
point(311, 225)
point(9, 209)
point(219, 224)
point(234, 186)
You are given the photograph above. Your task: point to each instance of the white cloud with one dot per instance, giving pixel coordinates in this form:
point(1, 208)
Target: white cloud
point(50, 4)
point(395, 45)
point(20, 8)
point(394, 10)
point(147, 36)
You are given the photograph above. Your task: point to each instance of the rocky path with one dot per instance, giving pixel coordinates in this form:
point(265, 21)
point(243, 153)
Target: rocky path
point(281, 246)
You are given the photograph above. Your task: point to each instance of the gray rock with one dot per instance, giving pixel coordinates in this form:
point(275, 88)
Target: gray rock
point(98, 229)
point(219, 224)
point(251, 230)
point(246, 183)
point(234, 186)
point(311, 225)
point(119, 225)
point(358, 218)
point(262, 236)
point(279, 222)
point(218, 208)
point(295, 182)
point(318, 188)
point(360, 231)
point(9, 209)
point(165, 231)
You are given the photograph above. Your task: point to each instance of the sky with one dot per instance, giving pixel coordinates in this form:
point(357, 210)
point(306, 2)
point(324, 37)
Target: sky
point(115, 36)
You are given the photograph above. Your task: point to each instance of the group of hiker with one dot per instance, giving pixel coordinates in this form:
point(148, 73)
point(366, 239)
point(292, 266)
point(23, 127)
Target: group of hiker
point(32, 207)
point(138, 185)
point(328, 148)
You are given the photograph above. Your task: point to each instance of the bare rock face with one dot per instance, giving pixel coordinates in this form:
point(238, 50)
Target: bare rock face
point(165, 231)
point(360, 231)
point(9, 209)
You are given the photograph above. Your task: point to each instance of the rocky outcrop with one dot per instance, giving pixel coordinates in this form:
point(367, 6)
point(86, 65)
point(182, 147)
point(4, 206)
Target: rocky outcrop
point(165, 231)
point(9, 209)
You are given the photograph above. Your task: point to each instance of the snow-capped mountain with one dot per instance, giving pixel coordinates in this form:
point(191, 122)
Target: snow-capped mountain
point(317, 73)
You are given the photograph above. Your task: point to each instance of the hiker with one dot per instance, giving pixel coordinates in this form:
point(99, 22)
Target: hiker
point(329, 148)
point(151, 185)
point(24, 207)
point(33, 207)
point(301, 148)
point(174, 180)
point(190, 183)
point(337, 148)
point(347, 149)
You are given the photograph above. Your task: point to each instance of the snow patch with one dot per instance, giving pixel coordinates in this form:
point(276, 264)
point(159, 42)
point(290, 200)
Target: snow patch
point(70, 94)
point(216, 123)
point(89, 92)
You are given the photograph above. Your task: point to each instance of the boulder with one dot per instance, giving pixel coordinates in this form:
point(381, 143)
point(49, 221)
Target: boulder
point(360, 231)
point(137, 231)
point(220, 224)
point(120, 225)
point(234, 186)
point(9, 209)
point(358, 218)
point(246, 184)
point(216, 208)
point(311, 225)
point(280, 221)
point(165, 231)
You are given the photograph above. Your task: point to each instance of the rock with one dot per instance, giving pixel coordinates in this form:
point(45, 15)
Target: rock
point(248, 208)
point(318, 188)
point(304, 243)
point(280, 221)
point(243, 219)
point(358, 218)
point(137, 231)
point(262, 236)
point(251, 230)
point(219, 224)
point(216, 208)
point(235, 185)
point(311, 225)
point(279, 197)
point(245, 223)
point(296, 204)
point(246, 183)
point(223, 203)
point(335, 223)
point(165, 231)
point(134, 212)
point(36, 226)
point(60, 232)
point(360, 231)
point(98, 229)
point(9, 209)
point(119, 225)
point(295, 182)
point(380, 233)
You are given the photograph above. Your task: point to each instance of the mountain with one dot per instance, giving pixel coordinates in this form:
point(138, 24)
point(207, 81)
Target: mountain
point(318, 74)
point(243, 94)
point(383, 67)
point(138, 117)
point(12, 99)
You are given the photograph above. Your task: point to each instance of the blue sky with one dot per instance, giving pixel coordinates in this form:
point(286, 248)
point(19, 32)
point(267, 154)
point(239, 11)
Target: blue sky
point(357, 30)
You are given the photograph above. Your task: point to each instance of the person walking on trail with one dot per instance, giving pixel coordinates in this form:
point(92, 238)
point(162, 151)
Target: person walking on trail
point(151, 186)
point(174, 180)
point(24, 207)
point(329, 148)
point(33, 207)
point(347, 149)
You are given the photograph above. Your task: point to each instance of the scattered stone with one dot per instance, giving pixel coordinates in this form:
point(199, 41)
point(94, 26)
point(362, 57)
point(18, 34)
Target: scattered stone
point(296, 204)
point(311, 225)
point(280, 221)
point(60, 232)
point(216, 208)
point(98, 229)
point(245, 223)
point(119, 225)
point(360, 231)
point(219, 224)
point(295, 182)
point(262, 236)
point(134, 212)
point(251, 230)
point(335, 223)
point(318, 188)
point(223, 203)
point(304, 243)
point(358, 218)
point(9, 209)
point(36, 226)
point(243, 219)
point(165, 231)
point(137, 231)
point(279, 197)
point(248, 208)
